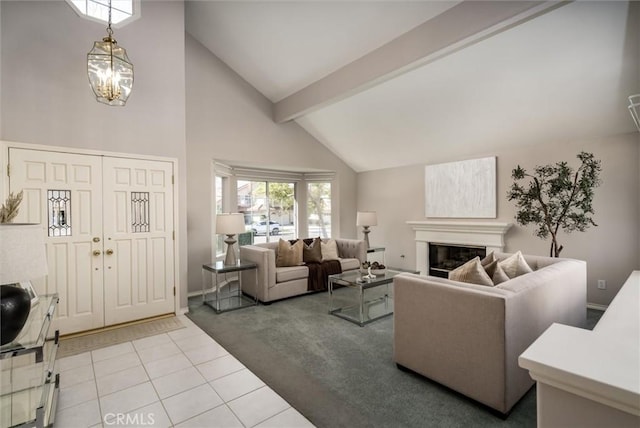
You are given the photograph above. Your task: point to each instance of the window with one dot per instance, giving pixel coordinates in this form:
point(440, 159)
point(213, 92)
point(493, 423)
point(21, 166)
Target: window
point(269, 209)
point(122, 11)
point(319, 209)
point(220, 248)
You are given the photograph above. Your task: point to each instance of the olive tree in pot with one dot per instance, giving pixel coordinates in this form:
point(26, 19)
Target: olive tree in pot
point(556, 197)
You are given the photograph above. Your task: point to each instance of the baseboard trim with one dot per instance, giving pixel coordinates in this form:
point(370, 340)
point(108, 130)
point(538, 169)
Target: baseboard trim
point(199, 292)
point(597, 307)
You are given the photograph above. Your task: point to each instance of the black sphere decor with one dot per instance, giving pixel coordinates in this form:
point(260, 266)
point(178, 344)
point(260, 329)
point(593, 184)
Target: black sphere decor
point(15, 304)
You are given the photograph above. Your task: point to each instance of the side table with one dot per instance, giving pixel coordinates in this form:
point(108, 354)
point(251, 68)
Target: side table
point(232, 298)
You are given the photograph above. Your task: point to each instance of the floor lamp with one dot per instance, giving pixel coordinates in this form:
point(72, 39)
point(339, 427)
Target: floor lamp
point(230, 225)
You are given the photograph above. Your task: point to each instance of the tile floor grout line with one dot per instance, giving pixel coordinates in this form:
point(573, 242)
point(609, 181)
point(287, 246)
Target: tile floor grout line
point(95, 380)
point(271, 417)
point(173, 424)
point(154, 386)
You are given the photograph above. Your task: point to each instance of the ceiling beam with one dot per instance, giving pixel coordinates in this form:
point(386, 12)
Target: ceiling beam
point(463, 25)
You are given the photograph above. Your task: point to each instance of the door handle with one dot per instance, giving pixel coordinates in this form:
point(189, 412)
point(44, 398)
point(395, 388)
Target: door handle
point(109, 251)
point(96, 239)
point(96, 252)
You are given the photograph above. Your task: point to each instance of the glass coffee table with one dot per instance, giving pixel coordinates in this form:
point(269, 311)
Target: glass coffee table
point(362, 300)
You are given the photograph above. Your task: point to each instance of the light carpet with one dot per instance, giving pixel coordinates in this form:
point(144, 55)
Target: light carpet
point(338, 374)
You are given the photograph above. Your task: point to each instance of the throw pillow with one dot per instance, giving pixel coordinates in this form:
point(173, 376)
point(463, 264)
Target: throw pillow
point(496, 273)
point(312, 252)
point(471, 272)
point(329, 250)
point(515, 265)
point(490, 258)
point(289, 254)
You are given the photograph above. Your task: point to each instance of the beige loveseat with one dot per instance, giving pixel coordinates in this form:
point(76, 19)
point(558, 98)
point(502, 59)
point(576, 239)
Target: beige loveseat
point(468, 337)
point(275, 283)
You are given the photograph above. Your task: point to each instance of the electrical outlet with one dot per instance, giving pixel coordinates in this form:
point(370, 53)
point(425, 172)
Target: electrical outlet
point(602, 284)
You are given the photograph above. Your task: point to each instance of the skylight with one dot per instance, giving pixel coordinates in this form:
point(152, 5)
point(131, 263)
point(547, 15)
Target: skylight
point(122, 11)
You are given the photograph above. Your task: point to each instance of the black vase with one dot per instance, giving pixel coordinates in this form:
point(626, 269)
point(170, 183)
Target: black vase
point(15, 304)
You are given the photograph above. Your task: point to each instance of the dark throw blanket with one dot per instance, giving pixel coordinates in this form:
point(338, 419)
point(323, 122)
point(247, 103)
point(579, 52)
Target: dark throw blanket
point(319, 274)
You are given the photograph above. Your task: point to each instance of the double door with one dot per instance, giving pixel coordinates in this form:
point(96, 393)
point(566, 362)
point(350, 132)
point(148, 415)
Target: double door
point(108, 227)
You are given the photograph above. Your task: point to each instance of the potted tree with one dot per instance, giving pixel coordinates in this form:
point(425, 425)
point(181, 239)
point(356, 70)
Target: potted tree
point(556, 197)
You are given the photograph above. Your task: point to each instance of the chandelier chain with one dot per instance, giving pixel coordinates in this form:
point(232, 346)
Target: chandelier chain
point(109, 30)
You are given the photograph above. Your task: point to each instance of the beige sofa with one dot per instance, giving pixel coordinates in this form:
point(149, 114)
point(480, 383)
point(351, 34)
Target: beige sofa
point(275, 283)
point(468, 337)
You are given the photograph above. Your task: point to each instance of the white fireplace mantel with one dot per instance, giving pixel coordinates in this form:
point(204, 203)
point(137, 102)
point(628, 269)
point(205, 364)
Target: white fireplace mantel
point(481, 233)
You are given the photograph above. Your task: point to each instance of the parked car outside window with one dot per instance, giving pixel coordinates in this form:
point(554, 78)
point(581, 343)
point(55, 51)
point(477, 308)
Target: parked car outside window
point(260, 228)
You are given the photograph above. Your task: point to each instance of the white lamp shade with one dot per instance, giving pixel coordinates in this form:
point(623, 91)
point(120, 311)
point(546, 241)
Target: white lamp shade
point(367, 218)
point(22, 253)
point(230, 224)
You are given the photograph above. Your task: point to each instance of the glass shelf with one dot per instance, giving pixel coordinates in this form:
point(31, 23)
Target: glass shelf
point(29, 383)
point(33, 334)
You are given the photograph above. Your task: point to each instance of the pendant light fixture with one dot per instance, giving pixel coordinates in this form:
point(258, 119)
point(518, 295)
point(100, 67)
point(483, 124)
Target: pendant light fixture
point(109, 69)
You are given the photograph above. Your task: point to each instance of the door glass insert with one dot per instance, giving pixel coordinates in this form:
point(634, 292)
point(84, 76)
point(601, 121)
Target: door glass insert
point(59, 210)
point(140, 212)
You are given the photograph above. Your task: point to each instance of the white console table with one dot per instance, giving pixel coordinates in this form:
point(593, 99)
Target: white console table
point(591, 378)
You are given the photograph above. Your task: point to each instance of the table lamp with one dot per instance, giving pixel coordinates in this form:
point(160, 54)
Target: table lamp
point(22, 258)
point(366, 219)
point(230, 225)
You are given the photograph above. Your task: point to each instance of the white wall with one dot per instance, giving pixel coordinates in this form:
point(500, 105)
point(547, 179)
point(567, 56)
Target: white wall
point(46, 98)
point(227, 119)
point(0, 67)
point(612, 250)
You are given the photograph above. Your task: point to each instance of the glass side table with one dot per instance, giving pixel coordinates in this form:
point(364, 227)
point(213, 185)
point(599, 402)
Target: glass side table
point(226, 296)
point(29, 378)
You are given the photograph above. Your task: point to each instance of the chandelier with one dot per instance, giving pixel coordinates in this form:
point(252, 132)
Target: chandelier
point(109, 69)
point(634, 109)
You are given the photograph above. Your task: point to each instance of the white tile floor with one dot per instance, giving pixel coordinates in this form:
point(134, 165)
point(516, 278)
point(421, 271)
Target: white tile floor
point(182, 378)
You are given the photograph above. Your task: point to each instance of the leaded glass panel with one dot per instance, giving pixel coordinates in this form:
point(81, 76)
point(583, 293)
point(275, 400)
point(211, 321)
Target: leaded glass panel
point(59, 212)
point(140, 212)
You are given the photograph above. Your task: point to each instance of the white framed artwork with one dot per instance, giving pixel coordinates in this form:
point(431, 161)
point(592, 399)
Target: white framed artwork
point(465, 189)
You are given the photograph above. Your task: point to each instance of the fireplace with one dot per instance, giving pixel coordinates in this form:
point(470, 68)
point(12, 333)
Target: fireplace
point(481, 234)
point(443, 258)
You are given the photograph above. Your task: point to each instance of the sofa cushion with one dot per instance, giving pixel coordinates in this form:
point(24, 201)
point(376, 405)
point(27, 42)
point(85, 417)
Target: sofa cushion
point(312, 252)
point(496, 273)
point(349, 264)
point(329, 250)
point(284, 274)
point(489, 258)
point(515, 265)
point(472, 272)
point(289, 254)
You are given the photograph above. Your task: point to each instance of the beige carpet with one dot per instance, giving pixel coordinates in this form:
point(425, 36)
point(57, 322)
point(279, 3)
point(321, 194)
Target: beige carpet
point(78, 344)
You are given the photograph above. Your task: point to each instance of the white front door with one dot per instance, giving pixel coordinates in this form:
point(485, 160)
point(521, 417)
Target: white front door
point(108, 226)
point(63, 192)
point(138, 232)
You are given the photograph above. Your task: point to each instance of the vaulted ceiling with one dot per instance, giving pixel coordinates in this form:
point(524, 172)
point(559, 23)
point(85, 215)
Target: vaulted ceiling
point(389, 83)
